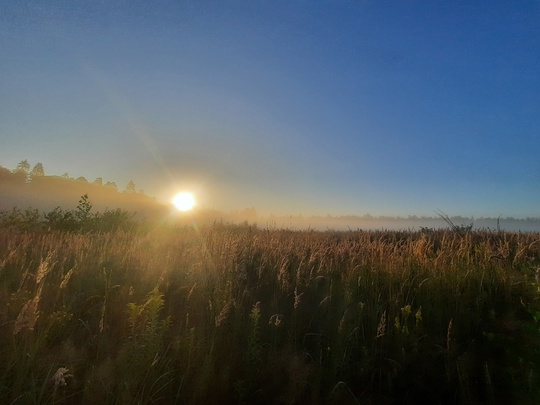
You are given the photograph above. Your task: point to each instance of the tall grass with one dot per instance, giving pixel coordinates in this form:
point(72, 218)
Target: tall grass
point(244, 315)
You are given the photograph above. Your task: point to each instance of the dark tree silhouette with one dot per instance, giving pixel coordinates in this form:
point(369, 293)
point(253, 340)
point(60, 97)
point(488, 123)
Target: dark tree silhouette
point(130, 187)
point(37, 171)
point(22, 167)
point(7, 176)
point(112, 185)
point(98, 181)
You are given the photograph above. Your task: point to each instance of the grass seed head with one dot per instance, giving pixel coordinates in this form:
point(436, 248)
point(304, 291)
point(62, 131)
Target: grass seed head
point(225, 314)
point(28, 316)
point(381, 329)
point(297, 298)
point(44, 268)
point(65, 279)
point(449, 335)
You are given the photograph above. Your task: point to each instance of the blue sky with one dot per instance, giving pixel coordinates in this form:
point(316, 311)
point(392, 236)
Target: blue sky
point(312, 107)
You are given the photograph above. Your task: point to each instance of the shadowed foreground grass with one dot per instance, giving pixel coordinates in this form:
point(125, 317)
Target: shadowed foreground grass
point(243, 315)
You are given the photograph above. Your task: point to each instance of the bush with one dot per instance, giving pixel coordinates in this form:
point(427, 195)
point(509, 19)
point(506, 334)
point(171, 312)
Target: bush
point(80, 219)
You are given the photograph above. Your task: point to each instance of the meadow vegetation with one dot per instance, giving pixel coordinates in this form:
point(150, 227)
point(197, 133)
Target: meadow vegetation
point(102, 310)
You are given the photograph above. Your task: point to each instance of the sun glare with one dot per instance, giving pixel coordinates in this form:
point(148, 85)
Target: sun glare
point(184, 201)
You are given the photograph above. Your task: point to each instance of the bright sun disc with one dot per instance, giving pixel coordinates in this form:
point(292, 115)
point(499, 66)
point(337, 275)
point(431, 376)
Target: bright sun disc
point(184, 201)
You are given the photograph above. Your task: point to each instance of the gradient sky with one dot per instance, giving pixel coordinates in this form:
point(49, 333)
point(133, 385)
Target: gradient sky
point(311, 107)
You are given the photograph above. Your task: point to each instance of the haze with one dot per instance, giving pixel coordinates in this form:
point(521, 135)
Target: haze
point(313, 108)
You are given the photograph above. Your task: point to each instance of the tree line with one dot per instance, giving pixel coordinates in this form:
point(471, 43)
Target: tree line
point(26, 173)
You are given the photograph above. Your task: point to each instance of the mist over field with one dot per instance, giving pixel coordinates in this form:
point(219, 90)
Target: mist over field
point(45, 193)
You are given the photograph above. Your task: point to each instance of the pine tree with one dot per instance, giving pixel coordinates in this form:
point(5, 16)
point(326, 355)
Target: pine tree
point(22, 167)
point(130, 187)
point(37, 171)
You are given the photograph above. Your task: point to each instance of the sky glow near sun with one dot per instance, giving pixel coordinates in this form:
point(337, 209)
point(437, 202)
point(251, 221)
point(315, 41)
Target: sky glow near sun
point(348, 109)
point(184, 201)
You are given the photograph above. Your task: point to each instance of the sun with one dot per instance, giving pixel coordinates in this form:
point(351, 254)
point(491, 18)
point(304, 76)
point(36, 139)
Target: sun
point(184, 201)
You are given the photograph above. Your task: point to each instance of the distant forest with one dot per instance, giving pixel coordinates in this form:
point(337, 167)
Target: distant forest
point(28, 186)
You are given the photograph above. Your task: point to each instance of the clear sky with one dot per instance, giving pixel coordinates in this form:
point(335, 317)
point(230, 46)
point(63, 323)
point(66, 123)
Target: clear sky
point(312, 107)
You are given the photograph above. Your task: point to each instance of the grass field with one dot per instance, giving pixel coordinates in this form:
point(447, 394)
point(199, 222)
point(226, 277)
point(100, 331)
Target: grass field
point(236, 314)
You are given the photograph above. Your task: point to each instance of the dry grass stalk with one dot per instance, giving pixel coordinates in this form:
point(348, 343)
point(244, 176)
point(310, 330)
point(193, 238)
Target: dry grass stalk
point(191, 291)
point(29, 314)
point(449, 336)
point(325, 301)
point(66, 278)
point(381, 329)
point(424, 264)
point(225, 314)
point(283, 275)
point(102, 318)
point(7, 258)
point(44, 268)
point(297, 298)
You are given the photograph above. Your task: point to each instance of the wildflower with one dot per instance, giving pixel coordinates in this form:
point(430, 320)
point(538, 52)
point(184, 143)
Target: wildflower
point(276, 320)
point(59, 378)
point(406, 310)
point(256, 312)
